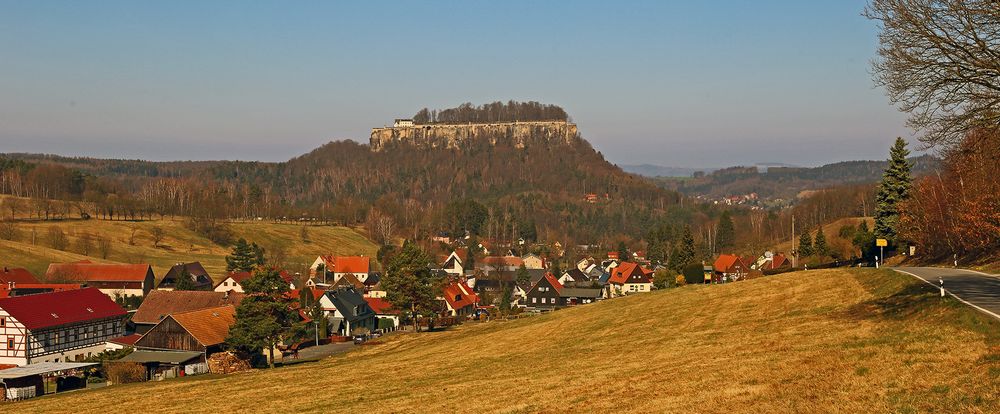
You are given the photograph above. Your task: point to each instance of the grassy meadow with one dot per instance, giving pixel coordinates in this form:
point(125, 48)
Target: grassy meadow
point(845, 341)
point(179, 244)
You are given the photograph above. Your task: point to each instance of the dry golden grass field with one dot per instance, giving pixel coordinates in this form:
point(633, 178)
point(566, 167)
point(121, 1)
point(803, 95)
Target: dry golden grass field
point(179, 245)
point(856, 341)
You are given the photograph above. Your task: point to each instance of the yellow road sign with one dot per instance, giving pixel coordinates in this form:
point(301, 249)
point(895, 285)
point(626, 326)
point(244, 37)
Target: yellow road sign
point(881, 242)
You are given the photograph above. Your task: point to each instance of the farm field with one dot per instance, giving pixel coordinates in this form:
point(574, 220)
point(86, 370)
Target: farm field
point(178, 245)
point(849, 341)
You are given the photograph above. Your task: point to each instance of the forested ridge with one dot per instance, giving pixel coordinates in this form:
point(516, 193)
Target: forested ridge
point(537, 191)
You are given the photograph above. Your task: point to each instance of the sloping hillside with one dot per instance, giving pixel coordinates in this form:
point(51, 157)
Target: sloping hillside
point(821, 341)
point(179, 244)
point(833, 239)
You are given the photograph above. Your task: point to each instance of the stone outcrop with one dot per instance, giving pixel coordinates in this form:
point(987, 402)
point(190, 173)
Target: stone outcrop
point(457, 136)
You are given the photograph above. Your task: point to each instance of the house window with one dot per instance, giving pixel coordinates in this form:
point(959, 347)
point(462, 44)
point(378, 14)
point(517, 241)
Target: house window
point(10, 342)
point(2, 322)
point(534, 300)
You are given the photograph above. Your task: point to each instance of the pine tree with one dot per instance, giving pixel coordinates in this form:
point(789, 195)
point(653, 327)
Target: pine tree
point(726, 236)
point(864, 240)
point(819, 243)
point(623, 252)
point(410, 284)
point(675, 262)
point(686, 252)
point(262, 317)
point(894, 189)
point(523, 277)
point(245, 257)
point(184, 280)
point(805, 245)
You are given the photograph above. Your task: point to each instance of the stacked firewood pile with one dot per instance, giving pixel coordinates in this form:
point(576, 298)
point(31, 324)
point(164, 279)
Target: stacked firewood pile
point(226, 363)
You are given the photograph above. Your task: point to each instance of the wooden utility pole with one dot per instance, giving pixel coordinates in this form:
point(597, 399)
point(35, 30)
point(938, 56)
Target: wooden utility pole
point(795, 253)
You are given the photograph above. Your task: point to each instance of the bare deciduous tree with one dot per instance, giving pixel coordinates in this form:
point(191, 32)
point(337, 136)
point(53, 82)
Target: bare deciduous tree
point(940, 62)
point(57, 238)
point(8, 230)
point(85, 243)
point(103, 246)
point(158, 234)
point(133, 229)
point(380, 226)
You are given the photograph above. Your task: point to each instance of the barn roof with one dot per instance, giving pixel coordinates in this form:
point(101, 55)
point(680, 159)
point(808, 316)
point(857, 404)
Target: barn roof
point(61, 308)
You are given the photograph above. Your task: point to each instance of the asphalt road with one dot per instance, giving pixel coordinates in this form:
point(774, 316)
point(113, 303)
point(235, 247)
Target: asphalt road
point(980, 290)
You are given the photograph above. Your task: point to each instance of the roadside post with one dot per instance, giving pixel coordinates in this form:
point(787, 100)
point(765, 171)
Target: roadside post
point(941, 284)
point(881, 243)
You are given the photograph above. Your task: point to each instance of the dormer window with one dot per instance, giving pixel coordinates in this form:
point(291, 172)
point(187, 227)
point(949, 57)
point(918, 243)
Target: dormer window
point(90, 310)
point(55, 316)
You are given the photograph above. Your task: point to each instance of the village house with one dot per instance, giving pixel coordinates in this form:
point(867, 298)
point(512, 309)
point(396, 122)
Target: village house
point(57, 326)
point(628, 278)
point(199, 276)
point(115, 280)
point(347, 311)
point(384, 311)
point(183, 341)
point(11, 277)
point(544, 293)
point(533, 261)
point(460, 300)
point(500, 263)
point(232, 281)
point(162, 303)
point(729, 268)
point(338, 266)
point(574, 277)
point(454, 263)
point(14, 288)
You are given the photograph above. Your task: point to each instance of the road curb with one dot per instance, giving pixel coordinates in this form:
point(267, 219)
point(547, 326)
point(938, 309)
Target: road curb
point(981, 309)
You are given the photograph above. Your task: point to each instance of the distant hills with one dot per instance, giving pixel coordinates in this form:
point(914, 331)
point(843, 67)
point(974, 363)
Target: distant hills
point(651, 170)
point(785, 182)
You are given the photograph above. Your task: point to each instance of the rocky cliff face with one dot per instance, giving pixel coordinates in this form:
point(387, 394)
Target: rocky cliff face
point(458, 136)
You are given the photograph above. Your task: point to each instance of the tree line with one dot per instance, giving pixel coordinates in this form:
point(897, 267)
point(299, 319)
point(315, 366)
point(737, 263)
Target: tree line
point(492, 112)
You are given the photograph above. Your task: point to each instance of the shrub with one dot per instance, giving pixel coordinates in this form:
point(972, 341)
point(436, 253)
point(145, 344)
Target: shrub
point(680, 280)
point(124, 372)
point(694, 273)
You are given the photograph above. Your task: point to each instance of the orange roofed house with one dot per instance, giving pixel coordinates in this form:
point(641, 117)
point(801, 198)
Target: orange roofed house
point(729, 267)
point(627, 278)
point(115, 280)
point(232, 281)
point(338, 267)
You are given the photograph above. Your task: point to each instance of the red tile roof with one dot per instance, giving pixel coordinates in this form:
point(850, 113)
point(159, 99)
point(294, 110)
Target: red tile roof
point(61, 308)
point(347, 264)
point(17, 275)
point(381, 306)
point(458, 295)
point(239, 277)
point(623, 271)
point(44, 287)
point(778, 260)
point(209, 326)
point(160, 303)
point(724, 262)
point(127, 339)
point(554, 282)
point(98, 272)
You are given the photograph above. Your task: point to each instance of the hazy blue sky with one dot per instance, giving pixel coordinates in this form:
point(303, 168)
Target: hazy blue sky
point(680, 83)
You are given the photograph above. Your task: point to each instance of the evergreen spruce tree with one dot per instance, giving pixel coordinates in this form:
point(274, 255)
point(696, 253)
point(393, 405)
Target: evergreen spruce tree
point(805, 245)
point(184, 280)
point(623, 252)
point(686, 252)
point(523, 277)
point(726, 236)
point(864, 240)
point(410, 285)
point(819, 243)
point(263, 316)
point(675, 262)
point(894, 188)
point(245, 257)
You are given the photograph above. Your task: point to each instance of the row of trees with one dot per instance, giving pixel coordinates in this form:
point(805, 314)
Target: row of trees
point(492, 112)
point(939, 63)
